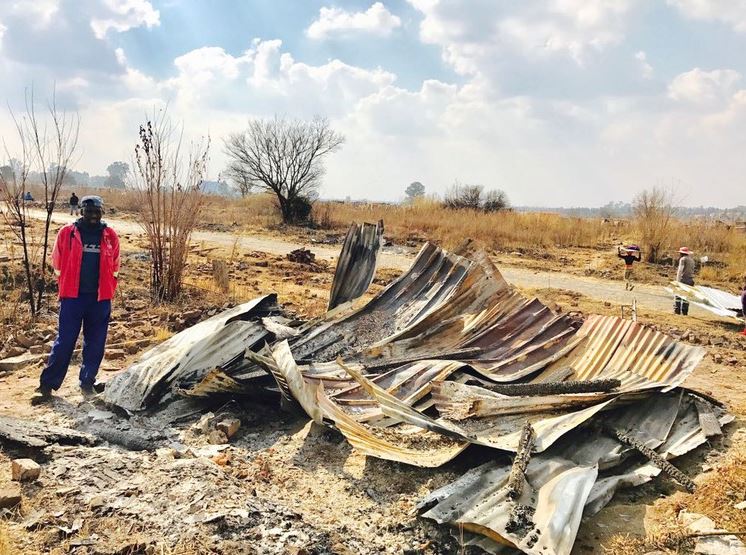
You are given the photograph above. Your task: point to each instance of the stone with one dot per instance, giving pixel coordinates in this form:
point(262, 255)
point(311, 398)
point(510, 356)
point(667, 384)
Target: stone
point(217, 437)
point(24, 340)
point(96, 502)
point(115, 354)
point(203, 424)
point(15, 350)
point(229, 426)
point(15, 362)
point(740, 506)
point(10, 496)
point(25, 470)
point(37, 349)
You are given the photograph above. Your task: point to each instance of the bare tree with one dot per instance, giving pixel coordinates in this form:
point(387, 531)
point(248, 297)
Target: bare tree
point(47, 148)
point(285, 158)
point(240, 179)
point(654, 213)
point(166, 181)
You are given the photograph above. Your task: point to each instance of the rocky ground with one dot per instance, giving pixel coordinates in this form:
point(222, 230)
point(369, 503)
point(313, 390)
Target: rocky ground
point(281, 484)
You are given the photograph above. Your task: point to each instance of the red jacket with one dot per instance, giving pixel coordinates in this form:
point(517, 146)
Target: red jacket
point(67, 257)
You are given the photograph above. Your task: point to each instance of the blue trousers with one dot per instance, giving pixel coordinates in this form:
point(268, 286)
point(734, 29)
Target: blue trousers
point(93, 315)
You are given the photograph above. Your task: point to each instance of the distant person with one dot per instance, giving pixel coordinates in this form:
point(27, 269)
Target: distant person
point(27, 197)
point(684, 274)
point(86, 262)
point(630, 254)
point(74, 200)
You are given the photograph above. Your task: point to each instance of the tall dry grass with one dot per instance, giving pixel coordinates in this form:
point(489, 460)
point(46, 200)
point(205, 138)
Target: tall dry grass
point(427, 219)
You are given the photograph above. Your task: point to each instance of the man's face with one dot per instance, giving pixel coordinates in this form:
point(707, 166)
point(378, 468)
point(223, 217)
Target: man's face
point(92, 215)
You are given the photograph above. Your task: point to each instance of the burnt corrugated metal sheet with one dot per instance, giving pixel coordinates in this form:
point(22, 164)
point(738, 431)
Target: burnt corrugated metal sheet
point(405, 378)
point(189, 355)
point(356, 265)
point(564, 482)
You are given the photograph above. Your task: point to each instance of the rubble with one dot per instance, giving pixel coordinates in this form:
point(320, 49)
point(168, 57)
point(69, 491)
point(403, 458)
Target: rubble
point(10, 496)
point(18, 361)
point(29, 433)
point(25, 470)
point(229, 426)
point(301, 256)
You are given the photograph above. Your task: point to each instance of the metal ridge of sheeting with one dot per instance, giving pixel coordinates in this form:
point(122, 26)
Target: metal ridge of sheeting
point(356, 265)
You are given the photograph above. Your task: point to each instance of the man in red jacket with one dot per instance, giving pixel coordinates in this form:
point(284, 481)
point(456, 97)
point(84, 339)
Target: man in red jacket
point(86, 261)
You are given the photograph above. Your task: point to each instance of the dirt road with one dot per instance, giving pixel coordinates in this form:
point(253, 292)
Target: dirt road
point(647, 296)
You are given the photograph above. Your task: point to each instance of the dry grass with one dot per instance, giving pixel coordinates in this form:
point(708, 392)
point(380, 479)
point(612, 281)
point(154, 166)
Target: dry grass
point(715, 498)
point(426, 219)
point(5, 544)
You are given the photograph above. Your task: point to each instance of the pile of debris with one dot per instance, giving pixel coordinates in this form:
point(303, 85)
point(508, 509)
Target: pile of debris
point(449, 357)
point(301, 256)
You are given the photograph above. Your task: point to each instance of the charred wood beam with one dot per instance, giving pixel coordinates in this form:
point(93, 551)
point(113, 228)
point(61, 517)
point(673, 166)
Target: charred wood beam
point(654, 457)
point(555, 388)
point(520, 462)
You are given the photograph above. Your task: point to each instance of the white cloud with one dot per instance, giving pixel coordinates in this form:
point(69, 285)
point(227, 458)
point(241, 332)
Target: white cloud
point(40, 12)
point(704, 87)
point(533, 29)
point(730, 12)
point(645, 68)
point(122, 15)
point(376, 20)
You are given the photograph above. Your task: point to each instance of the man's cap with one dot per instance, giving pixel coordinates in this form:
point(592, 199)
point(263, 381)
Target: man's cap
point(684, 250)
point(92, 200)
point(632, 247)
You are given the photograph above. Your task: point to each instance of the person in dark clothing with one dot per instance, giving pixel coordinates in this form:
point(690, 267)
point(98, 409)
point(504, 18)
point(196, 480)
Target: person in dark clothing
point(86, 260)
point(74, 200)
point(685, 275)
point(630, 254)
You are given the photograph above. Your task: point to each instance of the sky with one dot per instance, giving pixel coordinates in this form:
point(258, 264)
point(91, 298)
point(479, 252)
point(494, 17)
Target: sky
point(556, 102)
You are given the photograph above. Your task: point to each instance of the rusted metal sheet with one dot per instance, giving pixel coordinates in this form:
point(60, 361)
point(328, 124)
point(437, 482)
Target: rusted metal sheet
point(562, 483)
point(414, 448)
point(356, 265)
point(189, 355)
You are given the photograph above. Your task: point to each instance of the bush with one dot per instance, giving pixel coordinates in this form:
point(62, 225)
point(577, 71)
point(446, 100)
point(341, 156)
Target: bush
point(473, 197)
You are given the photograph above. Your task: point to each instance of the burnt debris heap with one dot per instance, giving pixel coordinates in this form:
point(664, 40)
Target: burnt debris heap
point(453, 350)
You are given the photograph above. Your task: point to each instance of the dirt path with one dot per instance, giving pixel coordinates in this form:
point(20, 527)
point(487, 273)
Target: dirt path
point(652, 297)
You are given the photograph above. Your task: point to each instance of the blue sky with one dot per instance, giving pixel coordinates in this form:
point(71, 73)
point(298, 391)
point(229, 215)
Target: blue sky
point(558, 102)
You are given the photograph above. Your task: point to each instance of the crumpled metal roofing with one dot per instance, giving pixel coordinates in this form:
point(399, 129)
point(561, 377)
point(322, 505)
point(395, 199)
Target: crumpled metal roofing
point(190, 355)
point(413, 376)
point(716, 301)
point(356, 265)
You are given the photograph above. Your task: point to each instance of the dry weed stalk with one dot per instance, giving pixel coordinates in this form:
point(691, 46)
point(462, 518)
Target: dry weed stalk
point(167, 185)
point(49, 149)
